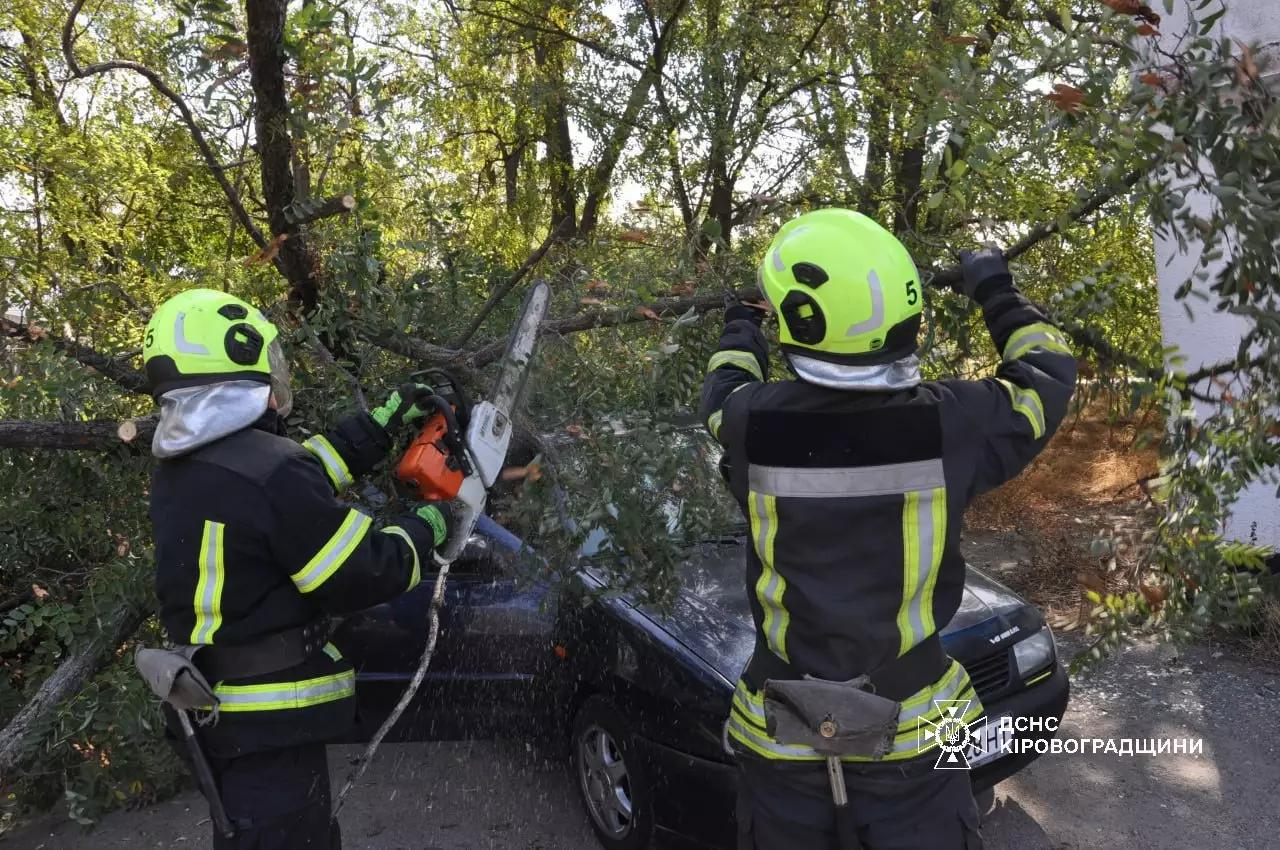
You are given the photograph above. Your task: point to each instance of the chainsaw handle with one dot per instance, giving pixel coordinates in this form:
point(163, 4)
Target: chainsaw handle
point(453, 434)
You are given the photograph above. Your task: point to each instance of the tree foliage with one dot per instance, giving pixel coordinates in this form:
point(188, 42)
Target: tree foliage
point(639, 154)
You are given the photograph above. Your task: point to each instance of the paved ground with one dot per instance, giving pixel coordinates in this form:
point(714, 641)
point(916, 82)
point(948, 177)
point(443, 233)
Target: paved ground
point(503, 796)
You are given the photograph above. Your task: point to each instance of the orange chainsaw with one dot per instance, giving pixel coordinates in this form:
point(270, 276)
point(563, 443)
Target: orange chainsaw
point(460, 451)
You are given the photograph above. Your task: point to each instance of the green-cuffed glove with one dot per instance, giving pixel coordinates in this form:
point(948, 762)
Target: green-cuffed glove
point(438, 515)
point(403, 406)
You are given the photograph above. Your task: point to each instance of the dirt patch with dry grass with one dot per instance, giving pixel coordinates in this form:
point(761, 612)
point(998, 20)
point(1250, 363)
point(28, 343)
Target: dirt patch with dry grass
point(1087, 483)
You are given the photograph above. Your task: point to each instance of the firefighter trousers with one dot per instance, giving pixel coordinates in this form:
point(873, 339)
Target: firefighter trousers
point(892, 806)
point(277, 800)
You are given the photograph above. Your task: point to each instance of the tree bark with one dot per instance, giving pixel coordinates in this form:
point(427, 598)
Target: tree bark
point(556, 135)
point(907, 179)
point(297, 258)
point(602, 175)
point(62, 684)
point(98, 435)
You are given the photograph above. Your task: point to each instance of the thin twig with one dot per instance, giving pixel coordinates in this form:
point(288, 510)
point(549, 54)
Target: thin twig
point(197, 135)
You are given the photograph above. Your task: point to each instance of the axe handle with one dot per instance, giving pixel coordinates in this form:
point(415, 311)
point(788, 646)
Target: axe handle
point(204, 777)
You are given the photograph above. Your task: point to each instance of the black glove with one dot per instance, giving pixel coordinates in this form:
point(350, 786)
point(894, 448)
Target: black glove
point(742, 310)
point(438, 515)
point(982, 273)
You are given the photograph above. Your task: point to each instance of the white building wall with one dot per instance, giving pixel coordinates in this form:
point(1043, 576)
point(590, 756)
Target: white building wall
point(1212, 337)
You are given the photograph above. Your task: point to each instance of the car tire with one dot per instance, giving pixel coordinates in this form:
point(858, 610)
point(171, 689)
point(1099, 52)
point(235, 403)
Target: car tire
point(611, 781)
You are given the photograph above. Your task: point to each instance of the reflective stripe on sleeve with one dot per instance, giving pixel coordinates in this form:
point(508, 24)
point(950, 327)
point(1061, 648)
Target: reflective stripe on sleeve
point(1027, 402)
point(416, 576)
point(1035, 336)
point(771, 586)
point(334, 466)
point(332, 651)
point(713, 423)
point(741, 359)
point(285, 695)
point(334, 553)
point(207, 603)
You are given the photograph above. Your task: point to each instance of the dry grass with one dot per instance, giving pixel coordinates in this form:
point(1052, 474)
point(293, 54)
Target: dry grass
point(1089, 464)
point(1087, 481)
point(1266, 643)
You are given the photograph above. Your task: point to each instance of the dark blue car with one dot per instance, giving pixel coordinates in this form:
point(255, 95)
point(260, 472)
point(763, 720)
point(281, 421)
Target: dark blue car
point(640, 697)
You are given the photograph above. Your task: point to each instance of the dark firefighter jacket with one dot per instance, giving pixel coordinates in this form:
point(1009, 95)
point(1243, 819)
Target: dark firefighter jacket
point(251, 541)
point(856, 499)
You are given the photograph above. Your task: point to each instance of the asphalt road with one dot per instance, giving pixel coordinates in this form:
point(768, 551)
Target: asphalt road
point(506, 796)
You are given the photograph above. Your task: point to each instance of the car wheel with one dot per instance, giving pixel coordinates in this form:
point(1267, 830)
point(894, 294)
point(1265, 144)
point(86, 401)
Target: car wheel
point(612, 782)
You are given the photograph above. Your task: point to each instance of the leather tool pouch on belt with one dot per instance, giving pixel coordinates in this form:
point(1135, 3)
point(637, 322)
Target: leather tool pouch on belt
point(173, 676)
point(833, 718)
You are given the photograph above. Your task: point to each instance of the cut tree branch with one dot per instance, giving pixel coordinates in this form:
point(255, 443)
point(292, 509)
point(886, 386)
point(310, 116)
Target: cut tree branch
point(98, 436)
point(197, 134)
point(306, 212)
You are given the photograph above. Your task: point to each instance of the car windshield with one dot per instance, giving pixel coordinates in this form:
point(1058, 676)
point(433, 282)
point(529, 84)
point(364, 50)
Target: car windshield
point(697, 510)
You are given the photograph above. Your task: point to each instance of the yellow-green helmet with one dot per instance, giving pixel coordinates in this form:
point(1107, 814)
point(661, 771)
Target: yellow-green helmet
point(203, 336)
point(845, 289)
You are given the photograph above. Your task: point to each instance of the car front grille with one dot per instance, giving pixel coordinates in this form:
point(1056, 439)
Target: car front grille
point(989, 674)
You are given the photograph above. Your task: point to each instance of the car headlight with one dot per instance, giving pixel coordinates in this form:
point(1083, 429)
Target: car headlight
point(1034, 653)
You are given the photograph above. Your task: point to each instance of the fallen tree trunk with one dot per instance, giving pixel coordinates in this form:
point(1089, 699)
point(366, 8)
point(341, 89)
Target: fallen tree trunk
point(81, 436)
point(64, 683)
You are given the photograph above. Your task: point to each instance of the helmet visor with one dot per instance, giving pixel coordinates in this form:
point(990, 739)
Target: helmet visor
point(280, 377)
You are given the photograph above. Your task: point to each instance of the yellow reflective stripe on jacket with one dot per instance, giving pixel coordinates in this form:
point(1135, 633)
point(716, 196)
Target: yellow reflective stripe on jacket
point(715, 419)
point(918, 714)
point(416, 576)
point(1037, 335)
point(924, 531)
point(334, 553)
point(207, 603)
point(742, 359)
point(713, 423)
point(1027, 402)
point(332, 651)
point(334, 466)
point(284, 695)
point(771, 586)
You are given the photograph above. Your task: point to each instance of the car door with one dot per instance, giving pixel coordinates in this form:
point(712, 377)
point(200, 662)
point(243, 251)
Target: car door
point(492, 630)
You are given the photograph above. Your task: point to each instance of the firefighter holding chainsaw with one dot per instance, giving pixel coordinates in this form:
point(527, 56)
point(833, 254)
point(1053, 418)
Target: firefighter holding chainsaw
point(253, 552)
point(855, 477)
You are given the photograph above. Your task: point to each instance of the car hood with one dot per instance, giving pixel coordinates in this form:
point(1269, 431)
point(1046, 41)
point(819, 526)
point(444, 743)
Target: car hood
point(712, 617)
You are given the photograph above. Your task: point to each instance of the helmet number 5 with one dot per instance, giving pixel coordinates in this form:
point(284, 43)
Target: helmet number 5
point(913, 296)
